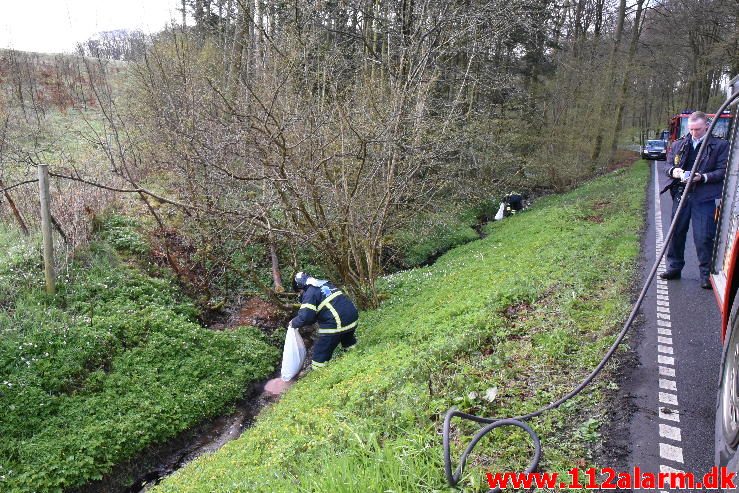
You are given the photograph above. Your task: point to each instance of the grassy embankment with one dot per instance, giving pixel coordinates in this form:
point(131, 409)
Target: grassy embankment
point(431, 234)
point(113, 363)
point(527, 311)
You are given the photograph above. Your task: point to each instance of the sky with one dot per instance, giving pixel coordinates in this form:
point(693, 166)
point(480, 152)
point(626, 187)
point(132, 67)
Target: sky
point(56, 26)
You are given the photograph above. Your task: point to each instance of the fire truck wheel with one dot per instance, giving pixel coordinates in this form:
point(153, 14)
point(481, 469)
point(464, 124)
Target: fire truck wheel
point(727, 401)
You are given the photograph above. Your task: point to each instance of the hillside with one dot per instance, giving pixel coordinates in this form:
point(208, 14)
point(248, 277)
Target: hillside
point(527, 311)
point(369, 143)
point(51, 82)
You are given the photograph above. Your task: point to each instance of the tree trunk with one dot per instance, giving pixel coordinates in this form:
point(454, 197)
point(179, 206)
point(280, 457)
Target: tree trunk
point(15, 211)
point(621, 101)
point(239, 46)
point(275, 261)
point(184, 14)
point(598, 145)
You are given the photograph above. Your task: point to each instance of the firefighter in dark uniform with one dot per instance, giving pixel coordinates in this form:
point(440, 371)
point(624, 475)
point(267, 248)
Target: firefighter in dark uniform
point(700, 204)
point(322, 302)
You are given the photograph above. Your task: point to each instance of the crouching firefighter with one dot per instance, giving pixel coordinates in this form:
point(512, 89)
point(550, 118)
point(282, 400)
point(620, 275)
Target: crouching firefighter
point(322, 302)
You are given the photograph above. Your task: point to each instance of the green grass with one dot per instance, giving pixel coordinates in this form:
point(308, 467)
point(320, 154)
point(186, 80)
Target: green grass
point(430, 234)
point(528, 311)
point(112, 364)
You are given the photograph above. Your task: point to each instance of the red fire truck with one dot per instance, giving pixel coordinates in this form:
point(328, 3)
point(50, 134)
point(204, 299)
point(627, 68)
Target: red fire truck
point(725, 280)
point(679, 125)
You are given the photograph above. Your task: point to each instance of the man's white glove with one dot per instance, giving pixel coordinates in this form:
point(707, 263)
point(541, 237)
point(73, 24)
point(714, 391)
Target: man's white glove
point(677, 173)
point(695, 177)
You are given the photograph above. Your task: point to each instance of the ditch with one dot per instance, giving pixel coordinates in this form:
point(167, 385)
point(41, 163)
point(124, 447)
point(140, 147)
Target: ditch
point(149, 468)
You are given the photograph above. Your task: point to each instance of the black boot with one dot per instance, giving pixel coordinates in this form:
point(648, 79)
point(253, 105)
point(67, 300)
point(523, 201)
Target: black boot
point(670, 274)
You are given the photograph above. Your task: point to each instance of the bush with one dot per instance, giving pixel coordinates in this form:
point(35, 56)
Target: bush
point(120, 232)
point(430, 235)
point(114, 363)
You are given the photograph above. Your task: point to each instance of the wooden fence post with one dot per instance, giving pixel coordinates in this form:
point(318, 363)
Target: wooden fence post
point(43, 181)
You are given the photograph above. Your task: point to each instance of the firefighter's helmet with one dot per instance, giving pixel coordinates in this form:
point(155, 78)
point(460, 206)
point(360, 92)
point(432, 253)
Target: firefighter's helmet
point(300, 281)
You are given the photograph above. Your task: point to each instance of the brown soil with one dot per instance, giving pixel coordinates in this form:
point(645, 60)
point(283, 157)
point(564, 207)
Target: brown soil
point(624, 159)
point(257, 313)
point(518, 310)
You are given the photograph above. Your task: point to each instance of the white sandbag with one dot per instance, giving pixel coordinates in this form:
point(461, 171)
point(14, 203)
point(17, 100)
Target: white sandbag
point(293, 354)
point(501, 209)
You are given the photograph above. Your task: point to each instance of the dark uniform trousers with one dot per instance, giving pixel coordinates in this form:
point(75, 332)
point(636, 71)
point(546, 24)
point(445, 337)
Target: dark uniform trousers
point(700, 204)
point(699, 215)
point(324, 347)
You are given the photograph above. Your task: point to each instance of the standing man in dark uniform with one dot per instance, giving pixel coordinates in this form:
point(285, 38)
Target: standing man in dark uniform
point(322, 302)
point(700, 203)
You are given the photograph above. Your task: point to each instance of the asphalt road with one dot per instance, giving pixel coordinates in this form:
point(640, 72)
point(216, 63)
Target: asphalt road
point(673, 388)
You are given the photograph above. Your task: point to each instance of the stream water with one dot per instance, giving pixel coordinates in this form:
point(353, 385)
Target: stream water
point(219, 432)
point(157, 462)
point(216, 434)
point(161, 460)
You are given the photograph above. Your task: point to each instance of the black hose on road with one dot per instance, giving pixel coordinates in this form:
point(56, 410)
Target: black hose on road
point(453, 478)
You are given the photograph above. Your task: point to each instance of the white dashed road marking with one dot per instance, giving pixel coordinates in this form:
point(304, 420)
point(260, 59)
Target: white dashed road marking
point(667, 398)
point(668, 372)
point(668, 410)
point(665, 360)
point(671, 432)
point(667, 384)
point(669, 414)
point(671, 452)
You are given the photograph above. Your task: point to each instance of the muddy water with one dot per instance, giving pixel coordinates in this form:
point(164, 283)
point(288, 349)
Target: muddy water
point(164, 460)
point(149, 468)
point(277, 386)
point(155, 463)
point(214, 435)
point(221, 431)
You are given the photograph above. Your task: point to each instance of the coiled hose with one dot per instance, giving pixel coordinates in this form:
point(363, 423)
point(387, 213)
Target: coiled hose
point(453, 477)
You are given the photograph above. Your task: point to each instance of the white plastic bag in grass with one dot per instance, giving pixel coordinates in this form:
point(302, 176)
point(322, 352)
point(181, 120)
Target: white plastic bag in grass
point(501, 210)
point(293, 354)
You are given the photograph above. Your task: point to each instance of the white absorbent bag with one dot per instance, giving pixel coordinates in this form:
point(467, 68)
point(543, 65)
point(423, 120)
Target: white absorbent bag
point(501, 210)
point(293, 354)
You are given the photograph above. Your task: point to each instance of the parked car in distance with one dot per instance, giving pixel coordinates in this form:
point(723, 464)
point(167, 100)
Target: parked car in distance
point(654, 149)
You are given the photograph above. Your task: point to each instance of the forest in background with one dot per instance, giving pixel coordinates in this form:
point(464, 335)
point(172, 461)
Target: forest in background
point(254, 138)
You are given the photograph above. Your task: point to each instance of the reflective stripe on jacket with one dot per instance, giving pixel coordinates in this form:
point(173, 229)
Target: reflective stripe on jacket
point(328, 306)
